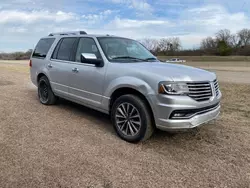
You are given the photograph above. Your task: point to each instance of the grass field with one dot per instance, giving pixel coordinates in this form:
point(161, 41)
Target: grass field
point(67, 145)
point(211, 58)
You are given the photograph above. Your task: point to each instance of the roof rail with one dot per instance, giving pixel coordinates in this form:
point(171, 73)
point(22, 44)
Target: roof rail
point(69, 33)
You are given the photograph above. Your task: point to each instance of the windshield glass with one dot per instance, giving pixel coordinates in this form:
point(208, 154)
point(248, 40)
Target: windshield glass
point(124, 50)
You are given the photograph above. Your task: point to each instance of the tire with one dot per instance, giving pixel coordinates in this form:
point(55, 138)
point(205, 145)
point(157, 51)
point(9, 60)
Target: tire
point(45, 93)
point(136, 117)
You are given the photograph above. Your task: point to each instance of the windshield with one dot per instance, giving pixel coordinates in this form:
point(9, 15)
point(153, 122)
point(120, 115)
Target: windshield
point(124, 50)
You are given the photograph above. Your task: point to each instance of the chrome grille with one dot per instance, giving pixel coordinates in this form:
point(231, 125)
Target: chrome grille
point(216, 87)
point(200, 91)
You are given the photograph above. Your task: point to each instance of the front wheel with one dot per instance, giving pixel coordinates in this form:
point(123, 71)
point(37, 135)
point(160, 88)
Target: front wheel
point(45, 93)
point(132, 119)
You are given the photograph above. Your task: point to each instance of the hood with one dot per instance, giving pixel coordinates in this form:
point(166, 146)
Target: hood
point(175, 72)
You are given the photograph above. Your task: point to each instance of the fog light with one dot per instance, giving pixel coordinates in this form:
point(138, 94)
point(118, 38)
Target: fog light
point(179, 115)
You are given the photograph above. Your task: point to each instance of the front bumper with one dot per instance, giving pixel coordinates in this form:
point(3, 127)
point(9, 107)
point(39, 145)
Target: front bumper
point(196, 121)
point(163, 106)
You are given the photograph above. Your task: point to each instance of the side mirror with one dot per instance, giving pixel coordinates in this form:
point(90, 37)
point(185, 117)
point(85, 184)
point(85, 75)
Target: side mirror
point(91, 59)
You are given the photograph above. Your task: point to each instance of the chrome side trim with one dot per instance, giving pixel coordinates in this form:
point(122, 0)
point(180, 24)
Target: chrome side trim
point(83, 98)
point(81, 90)
point(72, 62)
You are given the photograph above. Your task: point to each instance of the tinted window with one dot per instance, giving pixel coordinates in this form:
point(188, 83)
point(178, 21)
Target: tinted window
point(87, 45)
point(54, 55)
point(65, 49)
point(43, 47)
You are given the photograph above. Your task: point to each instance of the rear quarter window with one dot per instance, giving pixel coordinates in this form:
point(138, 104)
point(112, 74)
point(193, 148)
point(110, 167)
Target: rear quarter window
point(43, 47)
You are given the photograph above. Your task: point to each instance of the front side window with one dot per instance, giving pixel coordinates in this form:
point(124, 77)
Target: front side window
point(65, 49)
point(124, 49)
point(43, 47)
point(87, 45)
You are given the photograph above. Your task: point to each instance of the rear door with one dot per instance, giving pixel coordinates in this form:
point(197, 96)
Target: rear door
point(60, 67)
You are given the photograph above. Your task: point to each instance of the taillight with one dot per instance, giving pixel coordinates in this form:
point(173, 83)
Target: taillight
point(30, 63)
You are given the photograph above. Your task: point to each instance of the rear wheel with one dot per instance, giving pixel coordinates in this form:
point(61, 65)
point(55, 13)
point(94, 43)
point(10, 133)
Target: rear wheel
point(45, 93)
point(132, 119)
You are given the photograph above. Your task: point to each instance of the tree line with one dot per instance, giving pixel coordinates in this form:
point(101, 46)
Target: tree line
point(223, 43)
point(163, 46)
point(16, 55)
point(226, 43)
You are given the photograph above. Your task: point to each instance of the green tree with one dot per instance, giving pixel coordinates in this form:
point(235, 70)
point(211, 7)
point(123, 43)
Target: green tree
point(223, 48)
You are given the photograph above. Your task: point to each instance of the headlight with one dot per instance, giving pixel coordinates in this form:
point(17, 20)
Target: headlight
point(173, 88)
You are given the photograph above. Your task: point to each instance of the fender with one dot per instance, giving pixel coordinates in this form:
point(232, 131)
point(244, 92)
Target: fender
point(43, 70)
point(125, 81)
point(131, 82)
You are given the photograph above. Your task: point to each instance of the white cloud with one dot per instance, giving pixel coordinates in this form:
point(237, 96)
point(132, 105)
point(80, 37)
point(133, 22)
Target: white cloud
point(21, 28)
point(16, 16)
point(17, 30)
point(191, 27)
point(140, 5)
point(211, 18)
point(95, 18)
point(129, 23)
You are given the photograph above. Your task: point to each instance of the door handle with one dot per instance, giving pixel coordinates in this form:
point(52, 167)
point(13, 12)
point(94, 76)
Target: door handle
point(75, 70)
point(50, 66)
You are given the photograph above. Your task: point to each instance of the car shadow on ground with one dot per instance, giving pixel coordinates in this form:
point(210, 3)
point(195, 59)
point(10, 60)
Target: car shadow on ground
point(96, 117)
point(103, 121)
point(189, 139)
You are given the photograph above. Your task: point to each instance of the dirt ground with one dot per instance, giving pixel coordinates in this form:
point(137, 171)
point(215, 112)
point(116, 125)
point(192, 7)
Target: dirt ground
point(68, 145)
point(211, 58)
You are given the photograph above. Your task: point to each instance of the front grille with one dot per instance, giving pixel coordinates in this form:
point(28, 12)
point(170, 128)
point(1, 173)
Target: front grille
point(216, 87)
point(200, 91)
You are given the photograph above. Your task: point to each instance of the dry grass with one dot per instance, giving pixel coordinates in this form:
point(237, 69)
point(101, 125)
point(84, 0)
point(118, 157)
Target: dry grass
point(21, 66)
point(211, 58)
point(15, 61)
point(68, 145)
point(14, 68)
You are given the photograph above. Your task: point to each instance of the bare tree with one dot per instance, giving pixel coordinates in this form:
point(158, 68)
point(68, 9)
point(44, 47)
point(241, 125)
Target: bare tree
point(175, 44)
point(169, 44)
point(150, 44)
point(208, 43)
point(244, 37)
point(163, 45)
point(235, 41)
point(224, 35)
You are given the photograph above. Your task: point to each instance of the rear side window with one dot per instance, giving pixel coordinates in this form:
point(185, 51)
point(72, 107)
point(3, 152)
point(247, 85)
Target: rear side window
point(43, 47)
point(65, 49)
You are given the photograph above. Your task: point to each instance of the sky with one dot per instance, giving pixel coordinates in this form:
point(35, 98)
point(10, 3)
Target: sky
point(24, 22)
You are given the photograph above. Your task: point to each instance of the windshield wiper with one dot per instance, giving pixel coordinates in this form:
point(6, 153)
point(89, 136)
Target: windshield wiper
point(128, 57)
point(134, 58)
point(150, 58)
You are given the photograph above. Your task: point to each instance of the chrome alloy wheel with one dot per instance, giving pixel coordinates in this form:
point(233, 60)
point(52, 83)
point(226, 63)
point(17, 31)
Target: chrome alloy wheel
point(128, 119)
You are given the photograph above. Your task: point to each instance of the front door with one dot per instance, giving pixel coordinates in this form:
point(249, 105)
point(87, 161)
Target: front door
point(86, 80)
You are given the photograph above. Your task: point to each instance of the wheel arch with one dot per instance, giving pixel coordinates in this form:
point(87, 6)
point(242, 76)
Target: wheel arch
point(42, 72)
point(129, 90)
point(40, 75)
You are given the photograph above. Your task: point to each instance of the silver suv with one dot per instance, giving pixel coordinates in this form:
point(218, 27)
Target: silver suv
point(120, 77)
